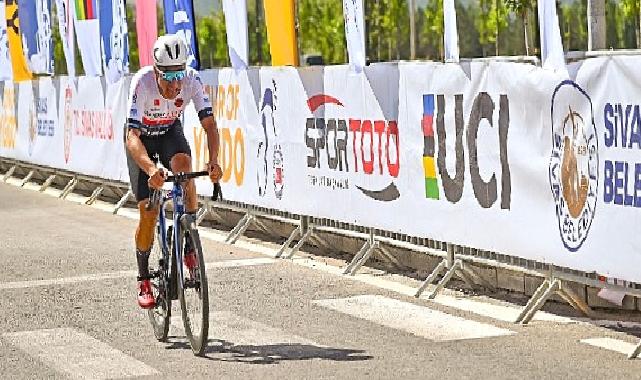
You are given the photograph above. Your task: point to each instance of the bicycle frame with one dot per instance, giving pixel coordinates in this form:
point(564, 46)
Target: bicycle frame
point(176, 194)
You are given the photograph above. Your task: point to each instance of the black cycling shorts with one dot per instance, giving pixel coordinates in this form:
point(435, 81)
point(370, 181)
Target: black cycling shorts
point(165, 146)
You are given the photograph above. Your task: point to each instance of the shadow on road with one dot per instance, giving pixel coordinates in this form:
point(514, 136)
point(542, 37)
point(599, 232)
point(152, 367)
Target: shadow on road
point(220, 350)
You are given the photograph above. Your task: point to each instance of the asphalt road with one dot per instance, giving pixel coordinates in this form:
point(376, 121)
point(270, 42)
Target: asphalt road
point(68, 310)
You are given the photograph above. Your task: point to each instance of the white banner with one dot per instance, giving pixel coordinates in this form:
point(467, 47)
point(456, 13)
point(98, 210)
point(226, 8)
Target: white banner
point(451, 33)
point(65, 26)
point(500, 156)
point(93, 126)
point(8, 120)
point(6, 71)
point(236, 25)
point(87, 27)
point(355, 33)
point(552, 54)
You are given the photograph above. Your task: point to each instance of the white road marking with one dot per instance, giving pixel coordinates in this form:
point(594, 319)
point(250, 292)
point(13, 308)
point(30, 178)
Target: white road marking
point(125, 274)
point(611, 344)
point(78, 355)
point(240, 331)
point(417, 320)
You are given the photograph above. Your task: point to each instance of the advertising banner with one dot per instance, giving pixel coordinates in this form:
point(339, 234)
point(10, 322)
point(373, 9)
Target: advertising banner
point(179, 19)
point(6, 71)
point(8, 120)
point(114, 39)
point(65, 25)
point(236, 27)
point(14, 36)
point(355, 33)
point(35, 25)
point(87, 27)
point(146, 29)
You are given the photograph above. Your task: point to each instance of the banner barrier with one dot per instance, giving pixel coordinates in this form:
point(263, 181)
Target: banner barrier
point(499, 156)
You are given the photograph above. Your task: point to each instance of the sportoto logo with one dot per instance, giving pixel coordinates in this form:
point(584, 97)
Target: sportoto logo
point(574, 163)
point(68, 123)
point(372, 145)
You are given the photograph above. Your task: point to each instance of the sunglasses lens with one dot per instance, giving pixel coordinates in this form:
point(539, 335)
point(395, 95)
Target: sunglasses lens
point(173, 75)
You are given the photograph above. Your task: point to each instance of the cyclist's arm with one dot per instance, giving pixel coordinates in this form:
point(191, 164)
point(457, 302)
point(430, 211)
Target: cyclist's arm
point(213, 140)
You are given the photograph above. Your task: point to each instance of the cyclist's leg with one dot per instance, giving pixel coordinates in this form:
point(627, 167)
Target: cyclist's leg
point(145, 230)
point(176, 154)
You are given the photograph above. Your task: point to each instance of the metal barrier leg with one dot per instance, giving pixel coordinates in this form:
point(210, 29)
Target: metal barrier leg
point(575, 301)
point(372, 248)
point(439, 268)
point(386, 254)
point(122, 201)
point(535, 297)
point(47, 182)
point(357, 257)
point(27, 178)
point(240, 228)
point(237, 227)
point(300, 243)
point(69, 188)
point(446, 278)
point(9, 173)
point(635, 353)
point(96, 193)
point(554, 286)
point(288, 242)
point(202, 213)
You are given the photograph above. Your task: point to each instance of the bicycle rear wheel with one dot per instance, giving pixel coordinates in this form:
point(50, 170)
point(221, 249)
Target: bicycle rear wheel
point(193, 294)
point(160, 315)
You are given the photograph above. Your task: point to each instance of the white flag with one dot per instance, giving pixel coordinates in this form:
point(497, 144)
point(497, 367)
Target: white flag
point(236, 24)
point(6, 71)
point(87, 27)
point(355, 33)
point(451, 33)
point(65, 25)
point(552, 55)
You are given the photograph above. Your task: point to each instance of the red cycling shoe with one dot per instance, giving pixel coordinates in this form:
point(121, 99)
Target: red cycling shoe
point(145, 295)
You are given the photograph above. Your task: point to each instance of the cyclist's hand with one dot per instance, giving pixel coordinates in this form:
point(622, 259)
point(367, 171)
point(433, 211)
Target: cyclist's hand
point(156, 178)
point(215, 172)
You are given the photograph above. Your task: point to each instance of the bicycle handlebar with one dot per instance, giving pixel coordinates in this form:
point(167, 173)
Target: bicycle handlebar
point(154, 198)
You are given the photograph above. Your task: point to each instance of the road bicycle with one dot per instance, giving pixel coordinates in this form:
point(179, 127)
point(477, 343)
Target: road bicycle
point(187, 281)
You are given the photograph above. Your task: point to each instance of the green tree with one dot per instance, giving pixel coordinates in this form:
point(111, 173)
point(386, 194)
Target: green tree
point(322, 29)
point(523, 9)
point(493, 19)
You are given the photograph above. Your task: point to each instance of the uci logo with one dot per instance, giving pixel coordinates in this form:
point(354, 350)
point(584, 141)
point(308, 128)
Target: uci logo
point(574, 164)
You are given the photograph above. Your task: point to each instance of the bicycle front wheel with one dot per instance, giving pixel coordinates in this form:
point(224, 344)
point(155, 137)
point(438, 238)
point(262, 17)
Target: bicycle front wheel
point(160, 315)
point(194, 295)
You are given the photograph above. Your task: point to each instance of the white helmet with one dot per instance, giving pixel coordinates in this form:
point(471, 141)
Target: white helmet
point(169, 50)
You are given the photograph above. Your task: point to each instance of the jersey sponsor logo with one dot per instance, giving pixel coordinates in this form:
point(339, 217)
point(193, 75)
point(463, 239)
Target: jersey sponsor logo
point(179, 102)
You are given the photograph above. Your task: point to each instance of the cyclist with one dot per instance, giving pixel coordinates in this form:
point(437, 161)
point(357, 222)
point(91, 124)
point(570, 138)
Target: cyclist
point(157, 98)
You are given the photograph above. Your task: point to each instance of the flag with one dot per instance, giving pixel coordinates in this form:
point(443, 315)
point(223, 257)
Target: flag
point(114, 39)
point(65, 26)
point(88, 33)
point(552, 55)
point(18, 61)
point(451, 33)
point(279, 17)
point(179, 20)
point(35, 27)
point(147, 30)
point(236, 25)
point(6, 72)
point(355, 33)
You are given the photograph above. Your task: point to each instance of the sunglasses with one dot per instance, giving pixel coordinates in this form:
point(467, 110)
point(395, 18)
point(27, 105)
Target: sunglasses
point(171, 76)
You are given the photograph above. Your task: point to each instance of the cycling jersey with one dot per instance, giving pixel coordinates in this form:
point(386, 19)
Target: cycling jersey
point(152, 114)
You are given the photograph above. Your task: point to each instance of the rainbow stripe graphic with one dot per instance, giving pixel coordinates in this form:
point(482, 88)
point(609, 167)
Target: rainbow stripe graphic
point(429, 166)
point(86, 9)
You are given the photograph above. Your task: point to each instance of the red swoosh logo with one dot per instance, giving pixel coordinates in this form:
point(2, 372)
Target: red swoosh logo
point(318, 100)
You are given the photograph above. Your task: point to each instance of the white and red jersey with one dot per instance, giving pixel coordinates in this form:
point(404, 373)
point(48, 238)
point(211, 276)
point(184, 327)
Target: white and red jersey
point(153, 114)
